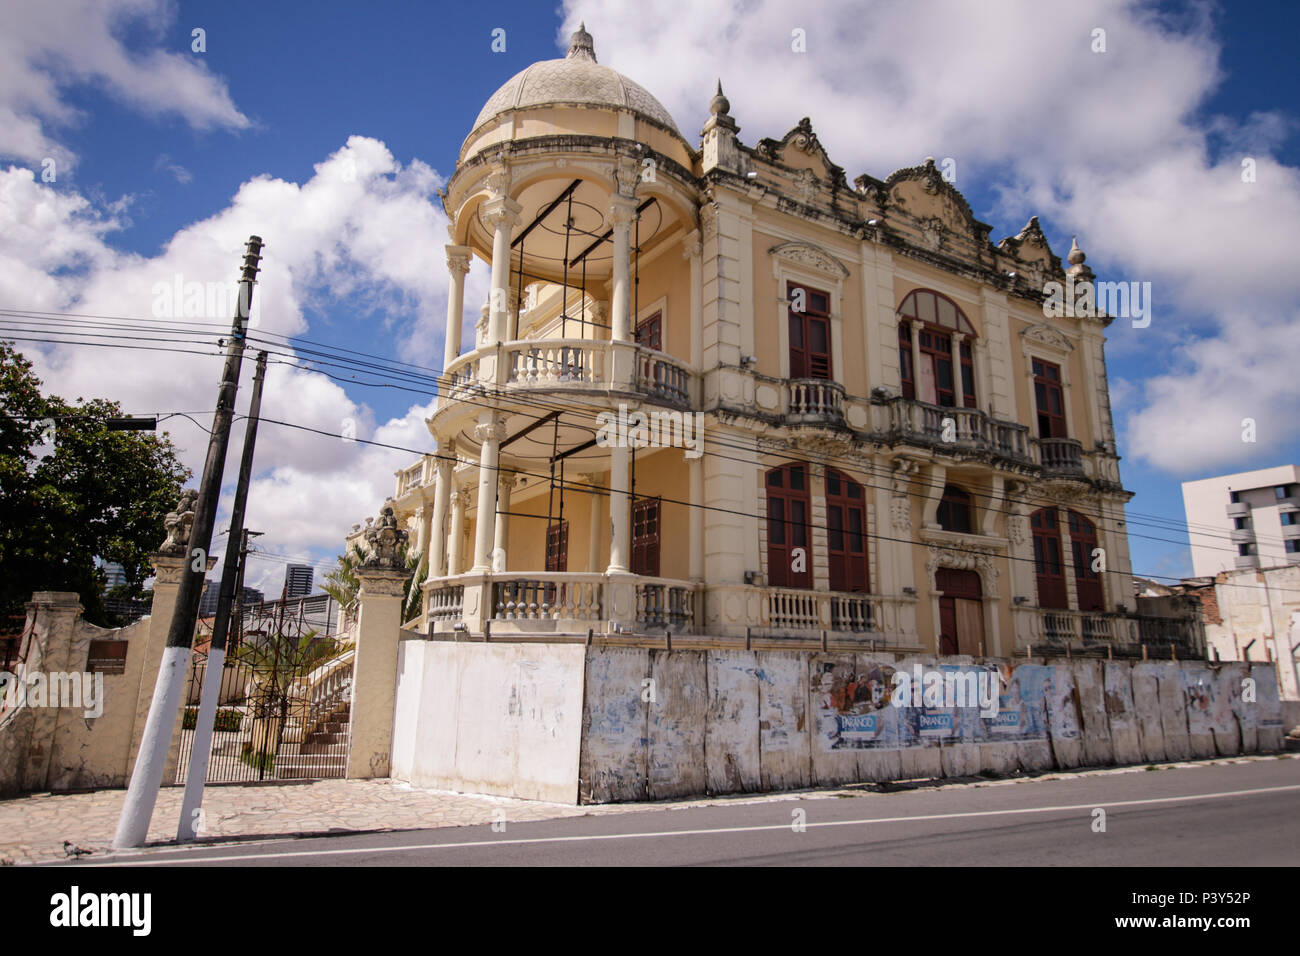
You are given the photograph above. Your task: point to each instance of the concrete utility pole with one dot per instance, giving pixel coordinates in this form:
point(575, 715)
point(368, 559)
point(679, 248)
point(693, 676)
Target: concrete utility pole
point(142, 794)
point(231, 580)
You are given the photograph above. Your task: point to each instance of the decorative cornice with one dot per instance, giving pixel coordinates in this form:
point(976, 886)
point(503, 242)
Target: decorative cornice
point(1047, 336)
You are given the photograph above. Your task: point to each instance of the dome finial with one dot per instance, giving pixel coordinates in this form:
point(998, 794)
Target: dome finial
point(580, 45)
point(719, 105)
point(1076, 256)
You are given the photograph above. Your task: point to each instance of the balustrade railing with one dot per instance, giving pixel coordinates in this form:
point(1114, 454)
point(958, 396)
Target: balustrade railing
point(446, 602)
point(1060, 456)
point(666, 604)
point(578, 597)
point(663, 377)
point(968, 428)
point(555, 362)
point(816, 399)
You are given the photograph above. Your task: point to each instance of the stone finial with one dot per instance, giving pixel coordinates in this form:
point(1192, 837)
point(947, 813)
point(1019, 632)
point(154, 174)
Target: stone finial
point(719, 105)
point(385, 540)
point(1076, 255)
point(580, 45)
point(1077, 260)
point(178, 524)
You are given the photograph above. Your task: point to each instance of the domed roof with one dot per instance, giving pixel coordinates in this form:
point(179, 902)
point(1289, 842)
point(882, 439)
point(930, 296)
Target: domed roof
point(578, 79)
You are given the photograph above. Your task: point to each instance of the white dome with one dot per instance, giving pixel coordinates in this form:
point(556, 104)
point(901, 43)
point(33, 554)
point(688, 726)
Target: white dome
point(576, 79)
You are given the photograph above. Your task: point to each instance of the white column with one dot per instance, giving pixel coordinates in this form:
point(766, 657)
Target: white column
point(502, 214)
point(622, 211)
point(438, 529)
point(488, 431)
point(459, 502)
point(595, 521)
point(696, 520)
point(620, 524)
point(457, 268)
point(916, 357)
point(423, 524)
point(500, 541)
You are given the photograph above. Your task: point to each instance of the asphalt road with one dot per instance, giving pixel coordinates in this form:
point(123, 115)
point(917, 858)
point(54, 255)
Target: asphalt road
point(1242, 814)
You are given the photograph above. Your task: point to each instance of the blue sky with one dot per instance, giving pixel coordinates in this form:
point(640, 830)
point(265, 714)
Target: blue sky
point(167, 159)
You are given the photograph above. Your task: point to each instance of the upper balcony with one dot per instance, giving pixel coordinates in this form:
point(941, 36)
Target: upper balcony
point(571, 365)
point(957, 429)
point(1060, 457)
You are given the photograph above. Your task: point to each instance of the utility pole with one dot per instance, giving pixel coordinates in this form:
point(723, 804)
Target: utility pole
point(231, 580)
point(142, 794)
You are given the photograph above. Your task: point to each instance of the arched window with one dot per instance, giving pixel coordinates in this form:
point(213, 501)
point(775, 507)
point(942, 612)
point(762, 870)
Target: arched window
point(1083, 540)
point(934, 318)
point(789, 558)
point(955, 510)
point(846, 533)
point(1047, 559)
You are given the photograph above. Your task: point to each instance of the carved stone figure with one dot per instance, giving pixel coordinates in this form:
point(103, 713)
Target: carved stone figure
point(385, 540)
point(178, 524)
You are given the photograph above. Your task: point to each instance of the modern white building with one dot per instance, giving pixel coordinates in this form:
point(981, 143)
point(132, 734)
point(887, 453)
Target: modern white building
point(1247, 520)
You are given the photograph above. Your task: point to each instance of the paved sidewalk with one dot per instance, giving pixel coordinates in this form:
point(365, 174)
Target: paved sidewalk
point(33, 828)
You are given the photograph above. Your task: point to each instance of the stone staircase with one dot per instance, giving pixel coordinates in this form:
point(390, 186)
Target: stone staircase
point(322, 751)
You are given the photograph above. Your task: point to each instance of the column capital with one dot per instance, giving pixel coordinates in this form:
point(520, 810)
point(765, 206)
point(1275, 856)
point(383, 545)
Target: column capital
point(460, 497)
point(622, 211)
point(494, 429)
point(498, 180)
point(502, 211)
point(506, 481)
point(692, 247)
point(458, 258)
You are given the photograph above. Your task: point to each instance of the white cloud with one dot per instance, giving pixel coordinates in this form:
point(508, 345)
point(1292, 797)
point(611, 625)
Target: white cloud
point(49, 46)
point(1108, 145)
point(363, 230)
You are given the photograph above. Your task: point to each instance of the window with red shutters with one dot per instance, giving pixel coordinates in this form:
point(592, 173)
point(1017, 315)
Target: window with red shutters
point(954, 511)
point(1087, 582)
point(934, 319)
point(557, 547)
point(846, 533)
point(1047, 559)
point(788, 511)
point(650, 332)
point(645, 537)
point(810, 332)
point(1049, 400)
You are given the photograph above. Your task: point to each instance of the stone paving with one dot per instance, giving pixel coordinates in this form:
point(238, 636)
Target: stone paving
point(45, 827)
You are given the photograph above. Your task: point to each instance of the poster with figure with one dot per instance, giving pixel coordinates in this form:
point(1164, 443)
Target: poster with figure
point(1022, 705)
point(856, 712)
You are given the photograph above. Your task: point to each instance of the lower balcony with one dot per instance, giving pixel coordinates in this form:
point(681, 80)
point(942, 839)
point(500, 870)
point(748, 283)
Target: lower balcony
point(1060, 457)
point(814, 401)
point(1052, 631)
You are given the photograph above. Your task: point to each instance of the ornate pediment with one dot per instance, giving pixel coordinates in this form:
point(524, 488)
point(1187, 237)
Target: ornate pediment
point(924, 194)
point(799, 146)
point(965, 559)
point(1030, 247)
point(1047, 336)
point(812, 256)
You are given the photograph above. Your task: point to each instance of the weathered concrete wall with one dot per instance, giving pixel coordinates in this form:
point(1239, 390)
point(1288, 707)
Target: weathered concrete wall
point(46, 747)
point(726, 721)
point(502, 719)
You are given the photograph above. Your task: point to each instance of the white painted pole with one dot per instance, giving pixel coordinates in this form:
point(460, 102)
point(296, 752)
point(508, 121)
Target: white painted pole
point(192, 803)
point(133, 825)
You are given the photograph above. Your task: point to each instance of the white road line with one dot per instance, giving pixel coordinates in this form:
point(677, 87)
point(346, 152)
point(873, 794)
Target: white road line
point(705, 832)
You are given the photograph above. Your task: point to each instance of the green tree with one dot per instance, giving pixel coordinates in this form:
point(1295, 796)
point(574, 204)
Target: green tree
point(96, 493)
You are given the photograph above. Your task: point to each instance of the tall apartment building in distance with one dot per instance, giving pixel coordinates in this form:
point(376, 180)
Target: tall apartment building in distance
point(1247, 520)
point(725, 391)
point(297, 581)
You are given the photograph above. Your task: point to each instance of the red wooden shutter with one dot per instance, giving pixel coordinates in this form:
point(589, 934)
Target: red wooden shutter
point(1050, 400)
point(810, 334)
point(1087, 582)
point(557, 547)
point(788, 508)
point(645, 537)
point(1047, 559)
point(846, 533)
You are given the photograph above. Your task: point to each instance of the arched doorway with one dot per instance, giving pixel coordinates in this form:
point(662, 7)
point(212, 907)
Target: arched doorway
point(961, 611)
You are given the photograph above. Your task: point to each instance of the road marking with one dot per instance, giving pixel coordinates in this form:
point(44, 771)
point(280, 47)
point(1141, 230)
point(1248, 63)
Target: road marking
point(705, 832)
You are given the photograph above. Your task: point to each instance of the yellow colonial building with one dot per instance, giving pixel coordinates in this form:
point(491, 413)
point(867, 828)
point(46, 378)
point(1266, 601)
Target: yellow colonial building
point(721, 393)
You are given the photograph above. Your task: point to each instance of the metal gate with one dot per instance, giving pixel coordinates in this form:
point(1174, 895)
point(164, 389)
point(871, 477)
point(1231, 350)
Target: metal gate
point(283, 709)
